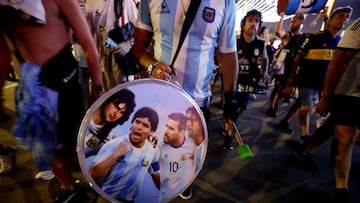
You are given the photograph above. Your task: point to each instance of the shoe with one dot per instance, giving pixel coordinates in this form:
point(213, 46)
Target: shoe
point(304, 161)
point(7, 159)
point(187, 194)
point(341, 195)
point(271, 112)
point(227, 142)
point(284, 126)
point(45, 175)
point(74, 196)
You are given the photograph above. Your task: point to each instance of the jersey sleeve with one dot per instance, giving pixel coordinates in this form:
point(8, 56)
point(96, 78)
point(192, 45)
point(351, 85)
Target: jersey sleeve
point(351, 37)
point(227, 36)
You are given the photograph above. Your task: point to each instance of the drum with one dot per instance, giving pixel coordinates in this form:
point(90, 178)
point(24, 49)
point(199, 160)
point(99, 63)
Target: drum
point(142, 141)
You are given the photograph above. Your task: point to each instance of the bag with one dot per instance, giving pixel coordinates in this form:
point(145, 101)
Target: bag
point(278, 63)
point(59, 70)
point(128, 64)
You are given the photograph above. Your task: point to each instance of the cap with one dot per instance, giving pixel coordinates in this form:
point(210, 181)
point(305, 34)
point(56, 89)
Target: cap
point(299, 16)
point(346, 9)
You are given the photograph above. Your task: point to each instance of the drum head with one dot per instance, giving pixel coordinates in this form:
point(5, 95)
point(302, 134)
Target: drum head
point(142, 141)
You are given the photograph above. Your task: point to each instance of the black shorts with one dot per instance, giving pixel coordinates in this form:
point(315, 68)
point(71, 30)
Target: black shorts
point(345, 110)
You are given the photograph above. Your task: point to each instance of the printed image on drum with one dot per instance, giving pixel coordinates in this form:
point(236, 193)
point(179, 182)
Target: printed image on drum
point(142, 141)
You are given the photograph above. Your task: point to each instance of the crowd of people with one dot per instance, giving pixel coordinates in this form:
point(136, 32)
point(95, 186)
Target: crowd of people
point(81, 50)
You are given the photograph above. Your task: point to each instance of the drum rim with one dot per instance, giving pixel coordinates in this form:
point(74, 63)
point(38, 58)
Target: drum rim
point(87, 118)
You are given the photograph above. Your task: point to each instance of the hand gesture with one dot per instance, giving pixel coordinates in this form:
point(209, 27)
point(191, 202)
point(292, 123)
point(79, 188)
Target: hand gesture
point(122, 149)
point(122, 48)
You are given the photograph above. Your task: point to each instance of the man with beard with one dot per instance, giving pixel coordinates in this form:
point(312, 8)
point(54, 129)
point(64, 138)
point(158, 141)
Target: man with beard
point(252, 62)
point(114, 111)
point(311, 63)
point(177, 167)
point(282, 66)
point(122, 163)
point(195, 131)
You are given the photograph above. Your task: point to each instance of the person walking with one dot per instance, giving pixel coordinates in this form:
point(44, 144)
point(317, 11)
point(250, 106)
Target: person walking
point(341, 97)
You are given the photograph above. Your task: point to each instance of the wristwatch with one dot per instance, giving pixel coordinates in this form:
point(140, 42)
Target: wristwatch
point(150, 68)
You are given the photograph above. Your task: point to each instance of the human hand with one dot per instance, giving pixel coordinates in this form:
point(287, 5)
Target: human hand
point(122, 149)
point(154, 140)
point(162, 71)
point(322, 106)
point(227, 126)
point(122, 48)
point(288, 91)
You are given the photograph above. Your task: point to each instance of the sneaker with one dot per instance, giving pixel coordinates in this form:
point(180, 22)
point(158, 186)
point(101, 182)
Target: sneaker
point(45, 175)
point(304, 161)
point(7, 159)
point(227, 143)
point(187, 194)
point(271, 112)
point(341, 195)
point(284, 126)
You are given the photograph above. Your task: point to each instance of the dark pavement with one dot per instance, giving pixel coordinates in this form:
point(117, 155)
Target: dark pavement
point(268, 177)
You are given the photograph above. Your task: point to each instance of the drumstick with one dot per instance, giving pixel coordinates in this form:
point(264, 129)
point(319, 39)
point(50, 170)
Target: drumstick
point(243, 150)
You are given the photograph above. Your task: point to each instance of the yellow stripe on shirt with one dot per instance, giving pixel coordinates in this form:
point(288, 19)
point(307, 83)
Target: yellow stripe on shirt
point(320, 54)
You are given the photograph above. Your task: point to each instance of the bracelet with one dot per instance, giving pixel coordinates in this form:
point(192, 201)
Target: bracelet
point(150, 68)
point(97, 88)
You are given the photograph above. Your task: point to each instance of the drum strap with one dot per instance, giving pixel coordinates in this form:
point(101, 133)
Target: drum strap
point(191, 12)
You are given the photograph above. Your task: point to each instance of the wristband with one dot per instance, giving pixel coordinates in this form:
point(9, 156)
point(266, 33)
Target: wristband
point(150, 68)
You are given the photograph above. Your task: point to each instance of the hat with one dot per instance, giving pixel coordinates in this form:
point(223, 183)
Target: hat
point(346, 9)
point(299, 16)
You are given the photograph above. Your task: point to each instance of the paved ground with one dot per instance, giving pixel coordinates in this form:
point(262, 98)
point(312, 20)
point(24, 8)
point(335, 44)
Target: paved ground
point(266, 178)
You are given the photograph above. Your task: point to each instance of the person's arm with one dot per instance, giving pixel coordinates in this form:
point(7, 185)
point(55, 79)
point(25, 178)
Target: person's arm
point(264, 64)
point(290, 81)
point(141, 44)
point(100, 169)
point(5, 60)
point(79, 25)
point(279, 27)
point(156, 179)
point(229, 69)
point(335, 70)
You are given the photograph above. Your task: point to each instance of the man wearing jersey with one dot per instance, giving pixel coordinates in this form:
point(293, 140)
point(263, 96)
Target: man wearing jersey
point(252, 62)
point(313, 59)
point(341, 96)
point(177, 166)
point(213, 27)
point(122, 163)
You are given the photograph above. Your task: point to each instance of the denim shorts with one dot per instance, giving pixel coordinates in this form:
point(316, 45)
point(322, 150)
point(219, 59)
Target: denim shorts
point(308, 96)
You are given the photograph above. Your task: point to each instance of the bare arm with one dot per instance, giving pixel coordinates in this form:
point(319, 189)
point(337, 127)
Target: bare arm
point(141, 44)
point(279, 27)
point(229, 69)
point(5, 59)
point(335, 70)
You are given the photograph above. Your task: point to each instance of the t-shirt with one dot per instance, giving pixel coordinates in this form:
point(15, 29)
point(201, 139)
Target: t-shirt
point(124, 180)
point(349, 83)
point(214, 24)
point(318, 50)
point(177, 168)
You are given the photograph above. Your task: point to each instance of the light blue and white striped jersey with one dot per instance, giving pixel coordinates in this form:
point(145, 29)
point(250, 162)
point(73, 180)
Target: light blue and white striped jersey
point(177, 168)
point(349, 83)
point(124, 180)
point(214, 24)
